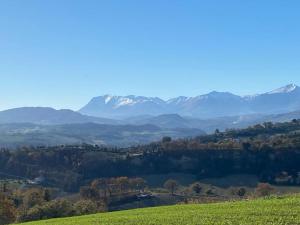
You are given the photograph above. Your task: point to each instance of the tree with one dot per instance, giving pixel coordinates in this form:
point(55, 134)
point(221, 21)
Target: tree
point(166, 139)
point(32, 197)
point(47, 195)
point(89, 193)
point(7, 210)
point(138, 184)
point(101, 186)
point(123, 184)
point(246, 146)
point(241, 192)
point(171, 185)
point(52, 209)
point(4, 187)
point(85, 207)
point(210, 191)
point(196, 187)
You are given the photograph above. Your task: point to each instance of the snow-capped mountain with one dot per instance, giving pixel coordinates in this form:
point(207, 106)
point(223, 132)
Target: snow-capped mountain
point(286, 89)
point(214, 104)
point(123, 106)
point(281, 100)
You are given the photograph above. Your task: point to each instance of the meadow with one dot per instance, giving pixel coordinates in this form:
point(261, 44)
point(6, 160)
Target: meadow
point(268, 211)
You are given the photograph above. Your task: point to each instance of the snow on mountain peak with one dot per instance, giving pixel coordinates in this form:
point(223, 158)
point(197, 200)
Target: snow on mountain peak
point(108, 98)
point(213, 104)
point(122, 101)
point(286, 89)
point(119, 101)
point(178, 100)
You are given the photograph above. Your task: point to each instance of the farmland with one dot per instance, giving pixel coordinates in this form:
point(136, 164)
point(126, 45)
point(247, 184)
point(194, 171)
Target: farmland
point(273, 210)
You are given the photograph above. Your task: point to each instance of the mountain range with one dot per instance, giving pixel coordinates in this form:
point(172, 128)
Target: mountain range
point(211, 105)
point(132, 120)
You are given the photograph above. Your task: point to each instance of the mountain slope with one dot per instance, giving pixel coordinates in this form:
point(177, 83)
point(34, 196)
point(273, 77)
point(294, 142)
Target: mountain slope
point(282, 100)
point(165, 120)
point(214, 104)
point(47, 116)
point(123, 106)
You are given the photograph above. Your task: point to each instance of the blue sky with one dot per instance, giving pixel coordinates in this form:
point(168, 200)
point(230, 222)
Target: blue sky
point(60, 53)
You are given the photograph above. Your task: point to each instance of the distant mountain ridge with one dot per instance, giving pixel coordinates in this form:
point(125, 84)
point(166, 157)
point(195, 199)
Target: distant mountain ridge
point(213, 104)
point(210, 125)
point(39, 125)
point(47, 126)
point(47, 116)
point(50, 116)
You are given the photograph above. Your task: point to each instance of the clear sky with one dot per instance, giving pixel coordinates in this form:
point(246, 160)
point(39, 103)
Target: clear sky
point(60, 53)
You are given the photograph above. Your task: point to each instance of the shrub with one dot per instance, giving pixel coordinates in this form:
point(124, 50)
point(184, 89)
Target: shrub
point(264, 189)
point(241, 192)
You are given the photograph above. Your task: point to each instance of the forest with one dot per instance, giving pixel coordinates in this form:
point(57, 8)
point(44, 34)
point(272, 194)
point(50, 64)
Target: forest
point(37, 179)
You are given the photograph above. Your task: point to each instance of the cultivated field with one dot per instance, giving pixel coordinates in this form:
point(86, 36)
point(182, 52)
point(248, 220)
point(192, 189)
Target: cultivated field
point(271, 211)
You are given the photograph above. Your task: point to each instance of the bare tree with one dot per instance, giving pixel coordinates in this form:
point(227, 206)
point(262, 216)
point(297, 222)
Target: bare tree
point(171, 185)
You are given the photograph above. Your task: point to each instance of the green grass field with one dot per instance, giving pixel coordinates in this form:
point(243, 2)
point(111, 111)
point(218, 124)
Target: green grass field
point(275, 211)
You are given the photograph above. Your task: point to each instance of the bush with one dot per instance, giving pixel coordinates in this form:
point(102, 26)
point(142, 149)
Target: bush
point(264, 189)
point(241, 192)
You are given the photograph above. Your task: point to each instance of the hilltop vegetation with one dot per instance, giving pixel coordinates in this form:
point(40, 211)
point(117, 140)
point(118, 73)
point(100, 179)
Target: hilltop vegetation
point(275, 211)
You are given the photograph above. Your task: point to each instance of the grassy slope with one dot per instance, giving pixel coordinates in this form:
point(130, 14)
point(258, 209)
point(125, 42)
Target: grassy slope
point(273, 211)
